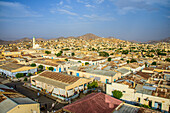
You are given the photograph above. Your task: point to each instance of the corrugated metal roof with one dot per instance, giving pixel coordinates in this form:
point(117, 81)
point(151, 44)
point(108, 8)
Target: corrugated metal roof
point(149, 88)
point(23, 100)
point(7, 105)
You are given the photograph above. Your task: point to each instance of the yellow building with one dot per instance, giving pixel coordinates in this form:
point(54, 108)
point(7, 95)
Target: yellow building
point(11, 53)
point(14, 102)
point(59, 85)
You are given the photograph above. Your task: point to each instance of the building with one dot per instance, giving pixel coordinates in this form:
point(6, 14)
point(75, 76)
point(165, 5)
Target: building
point(11, 69)
point(136, 90)
point(59, 85)
point(101, 103)
point(14, 102)
point(11, 53)
point(103, 74)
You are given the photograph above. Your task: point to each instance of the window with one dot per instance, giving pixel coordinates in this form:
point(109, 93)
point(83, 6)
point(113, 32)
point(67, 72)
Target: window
point(138, 100)
point(124, 91)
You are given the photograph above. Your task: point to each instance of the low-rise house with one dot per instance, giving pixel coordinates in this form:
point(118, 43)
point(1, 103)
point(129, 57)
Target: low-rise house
point(134, 66)
point(11, 69)
point(11, 53)
point(138, 91)
point(103, 74)
point(14, 102)
point(59, 85)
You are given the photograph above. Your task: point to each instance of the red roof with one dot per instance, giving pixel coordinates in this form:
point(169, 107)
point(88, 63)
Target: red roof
point(94, 103)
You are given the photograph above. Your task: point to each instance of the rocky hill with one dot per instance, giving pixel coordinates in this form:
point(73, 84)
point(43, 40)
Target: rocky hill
point(89, 36)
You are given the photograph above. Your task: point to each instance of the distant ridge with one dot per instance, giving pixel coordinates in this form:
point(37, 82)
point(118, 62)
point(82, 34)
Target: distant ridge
point(88, 36)
point(157, 41)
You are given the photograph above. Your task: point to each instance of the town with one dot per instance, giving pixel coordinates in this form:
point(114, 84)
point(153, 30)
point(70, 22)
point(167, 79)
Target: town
point(84, 74)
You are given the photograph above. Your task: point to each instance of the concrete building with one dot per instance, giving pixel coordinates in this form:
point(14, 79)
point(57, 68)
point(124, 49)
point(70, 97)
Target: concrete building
point(59, 85)
point(98, 73)
point(14, 102)
point(11, 69)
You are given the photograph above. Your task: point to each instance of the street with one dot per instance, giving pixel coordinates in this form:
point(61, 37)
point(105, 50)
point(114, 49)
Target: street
point(45, 102)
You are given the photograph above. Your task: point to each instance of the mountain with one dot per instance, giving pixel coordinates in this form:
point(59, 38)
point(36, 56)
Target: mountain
point(41, 39)
point(89, 36)
point(3, 42)
point(157, 41)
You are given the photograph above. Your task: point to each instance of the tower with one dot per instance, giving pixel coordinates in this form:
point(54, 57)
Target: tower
point(33, 41)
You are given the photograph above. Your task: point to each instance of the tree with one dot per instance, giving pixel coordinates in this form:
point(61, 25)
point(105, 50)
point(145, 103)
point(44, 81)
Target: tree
point(72, 54)
point(25, 79)
point(127, 61)
point(48, 52)
point(51, 68)
point(29, 74)
point(121, 59)
point(40, 66)
point(153, 63)
point(66, 59)
point(94, 84)
point(19, 75)
point(125, 52)
point(167, 59)
point(133, 60)
point(33, 65)
point(117, 94)
point(86, 63)
point(109, 59)
point(104, 54)
point(79, 61)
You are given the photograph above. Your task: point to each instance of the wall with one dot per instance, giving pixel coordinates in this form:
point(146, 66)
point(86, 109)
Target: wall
point(26, 108)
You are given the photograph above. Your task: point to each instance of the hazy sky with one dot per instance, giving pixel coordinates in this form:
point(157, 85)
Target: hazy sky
point(140, 20)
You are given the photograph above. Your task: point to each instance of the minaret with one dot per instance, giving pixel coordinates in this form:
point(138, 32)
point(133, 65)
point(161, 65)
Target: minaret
point(33, 41)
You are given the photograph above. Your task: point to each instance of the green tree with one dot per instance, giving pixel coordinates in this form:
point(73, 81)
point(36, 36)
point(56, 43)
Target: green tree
point(40, 66)
point(104, 54)
point(121, 59)
point(153, 63)
point(29, 74)
point(19, 75)
point(86, 63)
point(133, 60)
point(48, 52)
point(125, 52)
point(79, 61)
point(51, 68)
point(127, 61)
point(72, 54)
point(145, 106)
point(33, 65)
point(66, 59)
point(94, 84)
point(25, 79)
point(167, 59)
point(109, 59)
point(117, 94)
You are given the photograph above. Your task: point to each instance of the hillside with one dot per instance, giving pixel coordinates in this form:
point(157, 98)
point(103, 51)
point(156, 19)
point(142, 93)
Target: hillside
point(89, 36)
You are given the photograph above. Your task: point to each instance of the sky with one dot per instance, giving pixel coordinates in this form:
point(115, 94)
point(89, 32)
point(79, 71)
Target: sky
point(139, 20)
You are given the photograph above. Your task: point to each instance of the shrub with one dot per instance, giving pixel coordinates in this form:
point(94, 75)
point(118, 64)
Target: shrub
point(33, 65)
point(121, 59)
point(40, 66)
point(145, 106)
point(19, 75)
point(133, 60)
point(109, 59)
point(94, 84)
point(25, 79)
point(79, 61)
point(72, 54)
point(128, 61)
point(29, 74)
point(117, 94)
point(153, 63)
point(51, 68)
point(48, 52)
point(86, 63)
point(66, 59)
point(104, 54)
point(125, 52)
point(167, 59)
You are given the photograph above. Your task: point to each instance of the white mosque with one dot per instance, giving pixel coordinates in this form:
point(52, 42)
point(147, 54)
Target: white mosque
point(35, 46)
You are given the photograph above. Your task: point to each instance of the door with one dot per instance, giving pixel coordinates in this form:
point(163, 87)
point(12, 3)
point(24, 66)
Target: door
point(54, 69)
point(77, 74)
point(107, 80)
point(59, 69)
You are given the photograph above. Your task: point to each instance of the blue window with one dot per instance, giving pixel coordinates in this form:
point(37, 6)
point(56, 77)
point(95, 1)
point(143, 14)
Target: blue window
point(54, 69)
point(77, 74)
point(114, 80)
point(59, 69)
point(52, 58)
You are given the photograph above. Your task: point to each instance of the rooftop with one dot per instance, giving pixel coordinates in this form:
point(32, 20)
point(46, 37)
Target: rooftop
point(94, 103)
